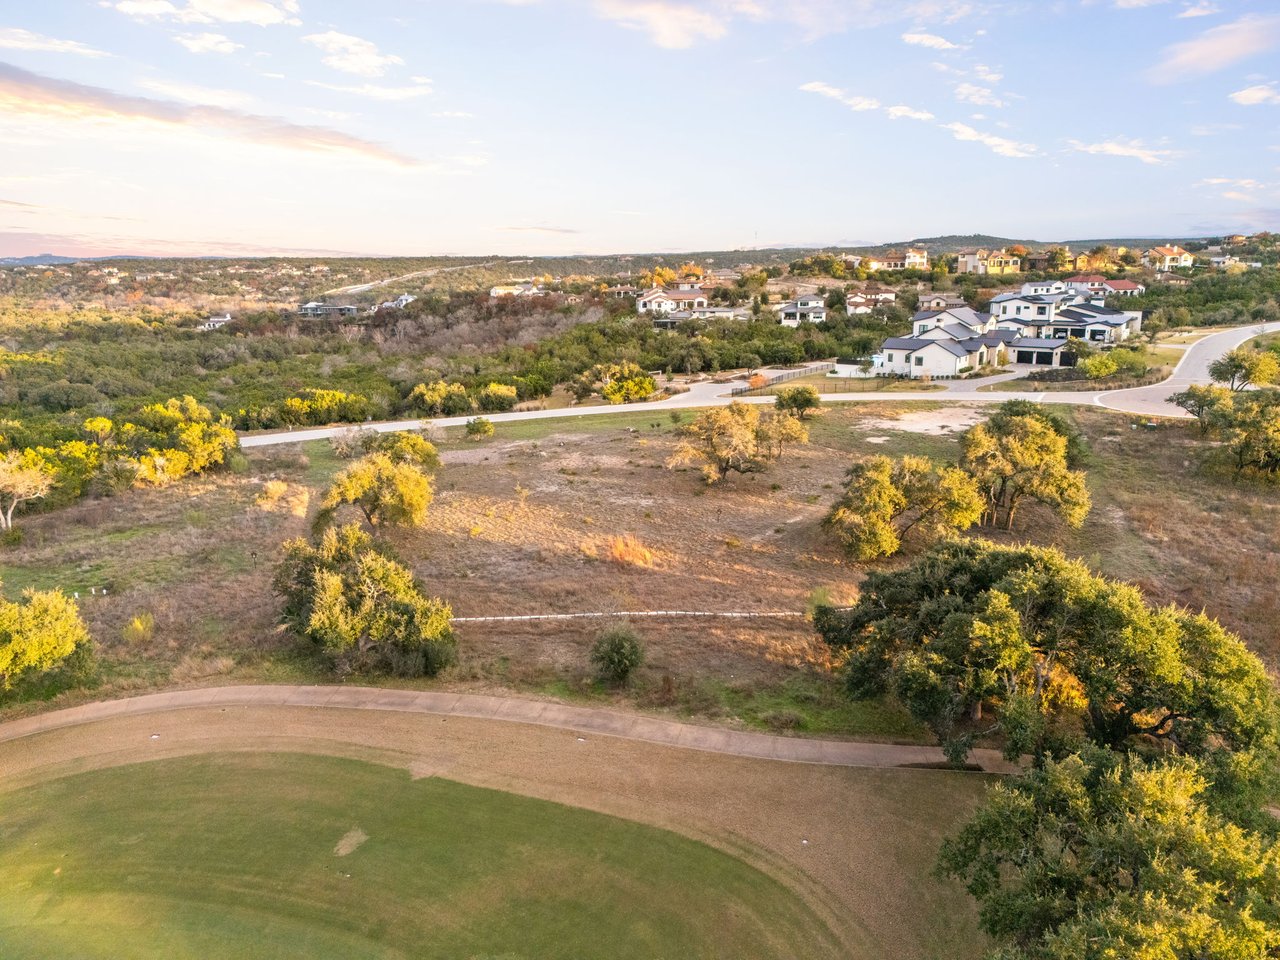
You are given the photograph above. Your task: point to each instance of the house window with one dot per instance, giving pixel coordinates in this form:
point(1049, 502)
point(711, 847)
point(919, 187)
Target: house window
point(919, 361)
point(888, 357)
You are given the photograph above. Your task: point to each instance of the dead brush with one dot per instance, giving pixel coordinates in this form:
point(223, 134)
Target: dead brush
point(628, 551)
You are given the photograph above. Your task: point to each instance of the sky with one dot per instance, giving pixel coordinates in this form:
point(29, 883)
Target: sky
point(421, 127)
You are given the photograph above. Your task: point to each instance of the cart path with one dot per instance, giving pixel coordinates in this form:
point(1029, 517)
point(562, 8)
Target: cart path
point(581, 720)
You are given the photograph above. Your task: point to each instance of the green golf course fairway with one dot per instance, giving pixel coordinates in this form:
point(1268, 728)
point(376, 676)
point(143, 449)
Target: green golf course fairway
point(234, 856)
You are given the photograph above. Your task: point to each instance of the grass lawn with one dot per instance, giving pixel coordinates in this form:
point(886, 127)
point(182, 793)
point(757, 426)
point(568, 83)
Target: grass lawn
point(284, 855)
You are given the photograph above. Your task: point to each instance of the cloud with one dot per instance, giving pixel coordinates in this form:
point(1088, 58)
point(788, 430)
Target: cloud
point(13, 38)
point(908, 113)
point(453, 115)
point(352, 54)
point(1253, 96)
point(835, 93)
point(1232, 182)
point(191, 93)
point(986, 74)
point(673, 26)
point(1217, 48)
point(978, 96)
point(930, 40)
point(377, 92)
point(262, 13)
point(1000, 145)
point(1120, 147)
point(207, 43)
point(1201, 9)
point(30, 94)
point(961, 131)
point(15, 203)
point(555, 230)
point(680, 24)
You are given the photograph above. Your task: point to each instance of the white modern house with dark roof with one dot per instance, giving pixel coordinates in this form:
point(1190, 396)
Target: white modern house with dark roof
point(805, 309)
point(1024, 328)
point(1073, 313)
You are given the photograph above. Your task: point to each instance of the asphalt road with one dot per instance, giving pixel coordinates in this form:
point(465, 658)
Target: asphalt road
point(1144, 401)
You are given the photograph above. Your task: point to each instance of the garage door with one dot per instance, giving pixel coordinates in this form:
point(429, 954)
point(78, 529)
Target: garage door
point(1045, 357)
point(1026, 356)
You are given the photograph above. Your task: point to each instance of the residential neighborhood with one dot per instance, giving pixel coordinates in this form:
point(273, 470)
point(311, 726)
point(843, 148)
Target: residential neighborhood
point(1032, 327)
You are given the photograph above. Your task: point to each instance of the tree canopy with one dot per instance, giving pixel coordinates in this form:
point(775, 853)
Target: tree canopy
point(389, 489)
point(1056, 654)
point(736, 439)
point(885, 500)
point(364, 610)
point(37, 633)
point(1103, 856)
point(1015, 457)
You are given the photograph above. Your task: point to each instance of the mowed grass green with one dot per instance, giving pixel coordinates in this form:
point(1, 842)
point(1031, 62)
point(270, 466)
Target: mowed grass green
point(234, 855)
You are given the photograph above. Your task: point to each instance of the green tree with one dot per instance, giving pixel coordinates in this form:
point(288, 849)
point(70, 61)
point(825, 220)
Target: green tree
point(364, 610)
point(1201, 401)
point(1015, 458)
point(797, 400)
point(1053, 653)
point(24, 476)
point(1101, 856)
point(387, 492)
point(1243, 367)
point(886, 499)
point(736, 439)
point(404, 447)
point(616, 654)
point(37, 633)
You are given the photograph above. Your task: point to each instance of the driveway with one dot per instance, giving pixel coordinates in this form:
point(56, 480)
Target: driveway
point(1148, 401)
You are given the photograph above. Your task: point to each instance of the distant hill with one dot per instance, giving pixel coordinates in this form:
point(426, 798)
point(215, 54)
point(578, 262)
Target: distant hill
point(39, 260)
point(954, 242)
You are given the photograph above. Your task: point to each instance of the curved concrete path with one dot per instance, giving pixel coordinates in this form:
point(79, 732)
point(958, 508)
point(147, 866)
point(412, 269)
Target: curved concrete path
point(582, 720)
point(1144, 401)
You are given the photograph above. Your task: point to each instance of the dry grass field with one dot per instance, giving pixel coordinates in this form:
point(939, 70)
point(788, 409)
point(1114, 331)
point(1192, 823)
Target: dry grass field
point(583, 516)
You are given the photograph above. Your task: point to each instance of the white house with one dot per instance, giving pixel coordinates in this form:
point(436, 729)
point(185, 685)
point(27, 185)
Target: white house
point(910, 259)
point(805, 309)
point(940, 301)
point(318, 309)
point(671, 319)
point(1167, 258)
point(1070, 314)
point(659, 300)
point(1124, 288)
point(1043, 287)
point(523, 289)
point(215, 323)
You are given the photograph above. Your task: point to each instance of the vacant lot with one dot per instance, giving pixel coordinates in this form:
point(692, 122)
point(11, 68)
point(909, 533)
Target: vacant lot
point(525, 524)
point(347, 859)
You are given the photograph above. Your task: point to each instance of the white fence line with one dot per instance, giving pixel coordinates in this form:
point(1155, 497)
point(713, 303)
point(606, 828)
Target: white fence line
point(622, 615)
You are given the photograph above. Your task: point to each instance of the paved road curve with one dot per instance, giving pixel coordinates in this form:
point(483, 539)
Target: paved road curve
point(1145, 401)
point(581, 720)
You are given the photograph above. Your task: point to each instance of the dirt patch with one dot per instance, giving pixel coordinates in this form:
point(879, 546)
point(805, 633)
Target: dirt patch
point(933, 422)
point(350, 842)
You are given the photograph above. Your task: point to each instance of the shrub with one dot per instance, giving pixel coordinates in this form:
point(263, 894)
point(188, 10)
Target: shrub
point(616, 653)
point(139, 630)
point(479, 428)
point(629, 551)
point(496, 398)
